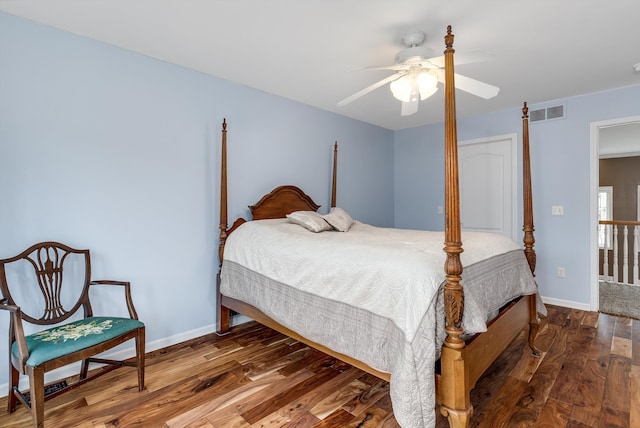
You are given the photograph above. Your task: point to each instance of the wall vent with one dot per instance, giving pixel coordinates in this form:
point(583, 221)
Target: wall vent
point(556, 112)
point(538, 115)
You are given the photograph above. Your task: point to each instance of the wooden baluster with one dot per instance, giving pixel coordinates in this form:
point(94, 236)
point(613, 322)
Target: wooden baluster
point(625, 254)
point(634, 251)
point(616, 274)
point(605, 252)
point(630, 267)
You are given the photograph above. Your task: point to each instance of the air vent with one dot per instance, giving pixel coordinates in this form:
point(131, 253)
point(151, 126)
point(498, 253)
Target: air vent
point(556, 112)
point(538, 115)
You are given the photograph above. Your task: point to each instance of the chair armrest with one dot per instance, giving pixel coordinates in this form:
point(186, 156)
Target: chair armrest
point(127, 294)
point(18, 332)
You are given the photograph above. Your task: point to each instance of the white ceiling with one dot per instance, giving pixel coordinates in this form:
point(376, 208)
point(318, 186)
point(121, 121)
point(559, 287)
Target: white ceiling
point(619, 140)
point(305, 50)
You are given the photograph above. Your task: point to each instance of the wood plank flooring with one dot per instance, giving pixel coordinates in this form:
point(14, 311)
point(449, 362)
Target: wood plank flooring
point(588, 376)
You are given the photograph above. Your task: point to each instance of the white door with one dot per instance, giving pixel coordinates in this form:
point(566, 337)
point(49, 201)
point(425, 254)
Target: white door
point(488, 185)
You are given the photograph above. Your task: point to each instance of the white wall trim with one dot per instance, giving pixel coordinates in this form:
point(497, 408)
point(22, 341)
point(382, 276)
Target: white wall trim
point(566, 303)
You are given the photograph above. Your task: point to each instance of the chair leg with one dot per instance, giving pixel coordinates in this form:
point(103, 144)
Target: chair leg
point(14, 378)
point(140, 349)
point(84, 369)
point(36, 383)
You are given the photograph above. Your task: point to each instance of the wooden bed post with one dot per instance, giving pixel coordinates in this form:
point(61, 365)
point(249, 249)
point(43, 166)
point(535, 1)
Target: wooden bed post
point(334, 175)
point(224, 314)
point(455, 400)
point(528, 228)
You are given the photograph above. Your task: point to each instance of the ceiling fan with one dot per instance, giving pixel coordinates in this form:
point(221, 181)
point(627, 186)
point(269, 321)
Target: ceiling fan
point(418, 72)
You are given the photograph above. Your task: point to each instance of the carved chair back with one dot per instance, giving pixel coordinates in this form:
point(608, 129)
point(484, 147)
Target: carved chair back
point(49, 281)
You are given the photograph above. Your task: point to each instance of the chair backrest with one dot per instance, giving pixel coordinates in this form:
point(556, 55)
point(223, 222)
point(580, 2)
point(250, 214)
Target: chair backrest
point(41, 268)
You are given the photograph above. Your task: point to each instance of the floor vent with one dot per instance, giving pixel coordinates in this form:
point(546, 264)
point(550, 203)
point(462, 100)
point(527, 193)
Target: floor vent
point(556, 112)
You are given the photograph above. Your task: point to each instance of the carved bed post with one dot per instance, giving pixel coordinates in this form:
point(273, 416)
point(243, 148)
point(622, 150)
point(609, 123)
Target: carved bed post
point(224, 313)
point(334, 175)
point(223, 193)
point(456, 403)
point(528, 227)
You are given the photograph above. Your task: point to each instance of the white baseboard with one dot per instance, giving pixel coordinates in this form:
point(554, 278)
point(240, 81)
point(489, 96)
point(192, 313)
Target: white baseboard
point(567, 303)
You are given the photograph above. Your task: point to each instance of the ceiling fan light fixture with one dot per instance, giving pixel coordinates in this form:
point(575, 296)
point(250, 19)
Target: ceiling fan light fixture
point(416, 75)
point(414, 55)
point(414, 86)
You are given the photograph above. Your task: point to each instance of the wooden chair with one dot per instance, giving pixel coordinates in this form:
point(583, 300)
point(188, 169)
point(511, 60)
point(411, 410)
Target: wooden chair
point(65, 341)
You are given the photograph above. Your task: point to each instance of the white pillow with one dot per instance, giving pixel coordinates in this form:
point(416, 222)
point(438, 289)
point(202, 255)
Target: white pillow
point(339, 219)
point(310, 220)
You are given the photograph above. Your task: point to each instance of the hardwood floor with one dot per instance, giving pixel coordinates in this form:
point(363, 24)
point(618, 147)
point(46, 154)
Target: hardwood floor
point(588, 376)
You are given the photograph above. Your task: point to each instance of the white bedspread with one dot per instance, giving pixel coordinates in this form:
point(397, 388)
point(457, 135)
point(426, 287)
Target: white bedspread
point(391, 272)
point(384, 283)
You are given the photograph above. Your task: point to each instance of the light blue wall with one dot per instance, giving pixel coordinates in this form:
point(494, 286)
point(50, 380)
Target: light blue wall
point(111, 150)
point(104, 148)
point(560, 156)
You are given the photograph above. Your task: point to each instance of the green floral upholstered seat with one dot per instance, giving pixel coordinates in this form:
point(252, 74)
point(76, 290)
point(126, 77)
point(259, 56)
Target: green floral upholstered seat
point(57, 342)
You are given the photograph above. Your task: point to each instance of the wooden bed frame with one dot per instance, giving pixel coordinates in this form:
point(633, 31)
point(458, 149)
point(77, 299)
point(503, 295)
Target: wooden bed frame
point(462, 361)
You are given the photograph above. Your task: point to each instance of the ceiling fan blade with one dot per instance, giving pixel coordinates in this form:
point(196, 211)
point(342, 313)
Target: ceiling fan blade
point(409, 108)
point(476, 87)
point(370, 88)
point(396, 67)
point(467, 57)
point(472, 86)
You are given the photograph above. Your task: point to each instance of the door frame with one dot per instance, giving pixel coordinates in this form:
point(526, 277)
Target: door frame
point(513, 138)
point(594, 183)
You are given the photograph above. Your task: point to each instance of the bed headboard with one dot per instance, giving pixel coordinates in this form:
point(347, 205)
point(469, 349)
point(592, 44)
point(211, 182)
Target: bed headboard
point(281, 201)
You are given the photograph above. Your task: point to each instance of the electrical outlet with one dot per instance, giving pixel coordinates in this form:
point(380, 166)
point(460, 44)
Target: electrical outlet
point(561, 272)
point(439, 209)
point(557, 210)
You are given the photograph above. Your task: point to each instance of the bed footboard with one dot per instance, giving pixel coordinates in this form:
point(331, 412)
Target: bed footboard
point(461, 368)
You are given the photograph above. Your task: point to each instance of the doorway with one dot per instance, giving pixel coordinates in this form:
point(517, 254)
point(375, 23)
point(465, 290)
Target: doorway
point(601, 142)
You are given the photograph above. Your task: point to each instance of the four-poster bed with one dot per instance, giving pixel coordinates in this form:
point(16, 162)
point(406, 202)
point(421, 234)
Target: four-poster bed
point(401, 340)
